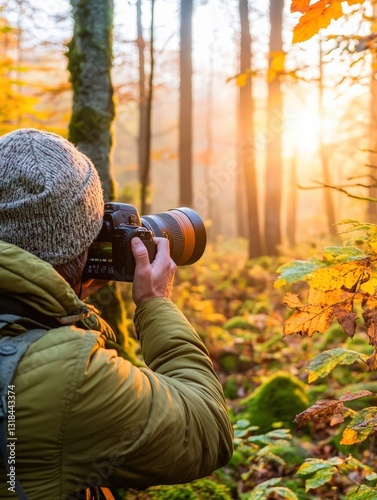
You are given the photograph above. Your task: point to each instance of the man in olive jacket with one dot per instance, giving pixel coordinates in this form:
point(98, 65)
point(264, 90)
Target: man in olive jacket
point(84, 415)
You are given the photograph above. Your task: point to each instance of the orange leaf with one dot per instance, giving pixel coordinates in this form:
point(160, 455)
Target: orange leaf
point(319, 15)
point(300, 5)
point(292, 301)
point(308, 320)
point(319, 313)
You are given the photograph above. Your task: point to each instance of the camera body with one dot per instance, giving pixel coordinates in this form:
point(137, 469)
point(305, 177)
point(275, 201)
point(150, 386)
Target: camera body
point(110, 256)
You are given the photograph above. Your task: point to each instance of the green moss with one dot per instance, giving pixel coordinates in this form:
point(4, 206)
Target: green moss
point(278, 399)
point(202, 489)
point(87, 122)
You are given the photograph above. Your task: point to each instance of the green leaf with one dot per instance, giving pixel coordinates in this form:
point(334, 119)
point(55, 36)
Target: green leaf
point(242, 423)
point(325, 362)
point(240, 433)
point(362, 492)
point(260, 439)
point(268, 456)
point(335, 461)
point(320, 478)
point(294, 271)
point(312, 465)
point(280, 434)
point(342, 254)
point(260, 491)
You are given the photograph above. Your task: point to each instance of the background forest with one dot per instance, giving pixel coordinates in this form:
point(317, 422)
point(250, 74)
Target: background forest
point(262, 117)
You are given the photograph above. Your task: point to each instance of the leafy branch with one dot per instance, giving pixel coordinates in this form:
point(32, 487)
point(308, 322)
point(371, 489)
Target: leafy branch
point(342, 286)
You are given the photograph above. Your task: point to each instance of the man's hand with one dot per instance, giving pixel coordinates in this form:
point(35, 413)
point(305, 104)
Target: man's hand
point(154, 279)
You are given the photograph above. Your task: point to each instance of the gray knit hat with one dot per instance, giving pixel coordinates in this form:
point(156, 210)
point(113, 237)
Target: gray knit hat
point(51, 200)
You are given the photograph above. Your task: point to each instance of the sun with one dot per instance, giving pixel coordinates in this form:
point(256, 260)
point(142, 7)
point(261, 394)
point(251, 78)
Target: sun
point(302, 134)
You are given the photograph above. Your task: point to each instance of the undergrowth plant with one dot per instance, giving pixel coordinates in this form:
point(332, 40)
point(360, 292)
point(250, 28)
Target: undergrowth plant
point(341, 287)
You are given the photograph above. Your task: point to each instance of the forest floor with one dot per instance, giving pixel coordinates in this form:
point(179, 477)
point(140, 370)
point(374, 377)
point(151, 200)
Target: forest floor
point(233, 305)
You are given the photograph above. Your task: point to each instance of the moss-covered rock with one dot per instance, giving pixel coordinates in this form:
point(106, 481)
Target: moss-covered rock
point(278, 399)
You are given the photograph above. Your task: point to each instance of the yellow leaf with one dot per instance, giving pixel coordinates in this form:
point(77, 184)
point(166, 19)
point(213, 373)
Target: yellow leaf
point(292, 300)
point(370, 285)
point(345, 274)
point(361, 426)
point(373, 244)
point(349, 436)
point(277, 61)
point(327, 297)
point(241, 79)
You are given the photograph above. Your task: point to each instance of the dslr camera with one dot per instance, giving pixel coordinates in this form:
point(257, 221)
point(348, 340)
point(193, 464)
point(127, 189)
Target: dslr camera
point(110, 256)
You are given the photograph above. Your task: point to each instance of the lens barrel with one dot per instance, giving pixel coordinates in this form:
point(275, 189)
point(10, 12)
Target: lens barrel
point(185, 230)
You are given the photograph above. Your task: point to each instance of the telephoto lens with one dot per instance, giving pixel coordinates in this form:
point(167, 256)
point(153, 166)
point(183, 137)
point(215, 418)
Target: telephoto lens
point(185, 230)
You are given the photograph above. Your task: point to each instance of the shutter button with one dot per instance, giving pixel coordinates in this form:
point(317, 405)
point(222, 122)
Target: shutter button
point(7, 349)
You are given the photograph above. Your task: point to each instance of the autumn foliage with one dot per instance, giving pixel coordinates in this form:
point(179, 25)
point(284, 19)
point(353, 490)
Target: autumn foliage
point(342, 288)
point(316, 16)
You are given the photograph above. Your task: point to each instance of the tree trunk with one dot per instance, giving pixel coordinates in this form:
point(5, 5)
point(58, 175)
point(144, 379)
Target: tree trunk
point(142, 138)
point(240, 192)
point(185, 105)
point(247, 147)
point(208, 157)
point(372, 206)
point(292, 201)
point(328, 195)
point(246, 130)
point(90, 61)
point(274, 160)
point(145, 178)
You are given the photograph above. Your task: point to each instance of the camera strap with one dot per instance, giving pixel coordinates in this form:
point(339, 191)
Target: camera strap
point(10, 305)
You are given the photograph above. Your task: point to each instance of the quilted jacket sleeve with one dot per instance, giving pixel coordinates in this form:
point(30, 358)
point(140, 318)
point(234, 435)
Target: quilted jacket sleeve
point(164, 424)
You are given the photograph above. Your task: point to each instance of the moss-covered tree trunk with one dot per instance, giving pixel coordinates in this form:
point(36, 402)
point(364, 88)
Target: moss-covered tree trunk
point(90, 63)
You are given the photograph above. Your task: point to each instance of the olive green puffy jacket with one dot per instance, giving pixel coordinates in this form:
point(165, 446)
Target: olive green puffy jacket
point(86, 416)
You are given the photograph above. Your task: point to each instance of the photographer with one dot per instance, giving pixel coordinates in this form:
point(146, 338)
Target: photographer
point(85, 417)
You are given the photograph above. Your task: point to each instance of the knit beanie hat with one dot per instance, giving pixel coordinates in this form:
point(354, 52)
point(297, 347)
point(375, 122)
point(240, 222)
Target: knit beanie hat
point(51, 199)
